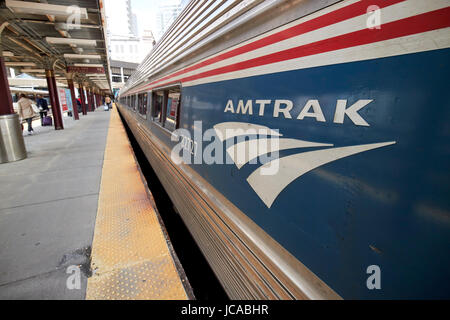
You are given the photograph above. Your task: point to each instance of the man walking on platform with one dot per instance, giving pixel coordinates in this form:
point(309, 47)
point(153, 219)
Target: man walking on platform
point(26, 111)
point(43, 108)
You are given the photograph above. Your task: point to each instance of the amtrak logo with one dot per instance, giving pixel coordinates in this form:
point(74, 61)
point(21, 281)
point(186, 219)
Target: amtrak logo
point(267, 182)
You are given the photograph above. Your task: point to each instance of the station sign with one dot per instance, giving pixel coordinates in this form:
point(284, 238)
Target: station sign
point(85, 70)
point(63, 99)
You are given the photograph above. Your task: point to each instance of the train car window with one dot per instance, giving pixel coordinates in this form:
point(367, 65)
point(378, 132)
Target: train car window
point(171, 108)
point(143, 110)
point(158, 98)
point(139, 100)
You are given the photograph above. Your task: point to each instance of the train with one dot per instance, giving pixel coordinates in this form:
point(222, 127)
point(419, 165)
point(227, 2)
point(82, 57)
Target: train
point(305, 144)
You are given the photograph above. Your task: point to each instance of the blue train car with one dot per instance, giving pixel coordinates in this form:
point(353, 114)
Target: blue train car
point(306, 143)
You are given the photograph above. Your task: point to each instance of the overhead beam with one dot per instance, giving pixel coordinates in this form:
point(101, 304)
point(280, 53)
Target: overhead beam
point(94, 65)
point(44, 9)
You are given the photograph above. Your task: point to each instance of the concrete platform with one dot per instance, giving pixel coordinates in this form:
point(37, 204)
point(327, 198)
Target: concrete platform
point(48, 211)
point(48, 208)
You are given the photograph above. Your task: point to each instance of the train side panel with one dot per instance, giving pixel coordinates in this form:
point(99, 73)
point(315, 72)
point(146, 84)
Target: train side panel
point(361, 118)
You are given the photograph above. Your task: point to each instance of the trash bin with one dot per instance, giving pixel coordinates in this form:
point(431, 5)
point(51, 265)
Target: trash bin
point(12, 145)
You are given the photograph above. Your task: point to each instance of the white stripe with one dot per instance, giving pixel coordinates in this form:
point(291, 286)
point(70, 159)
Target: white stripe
point(431, 40)
point(268, 187)
point(389, 14)
point(228, 130)
point(245, 151)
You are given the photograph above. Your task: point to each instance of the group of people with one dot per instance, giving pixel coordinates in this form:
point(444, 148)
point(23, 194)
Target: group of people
point(106, 101)
point(27, 113)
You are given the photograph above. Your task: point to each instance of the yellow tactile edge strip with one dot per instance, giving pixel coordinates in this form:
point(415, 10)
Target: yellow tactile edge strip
point(130, 257)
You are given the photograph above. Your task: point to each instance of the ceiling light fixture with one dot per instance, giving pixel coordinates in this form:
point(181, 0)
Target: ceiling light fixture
point(20, 64)
point(82, 56)
point(80, 42)
point(32, 70)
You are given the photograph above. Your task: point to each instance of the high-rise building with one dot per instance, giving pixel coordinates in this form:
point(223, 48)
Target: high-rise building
point(134, 25)
point(166, 16)
point(120, 18)
point(123, 37)
point(147, 42)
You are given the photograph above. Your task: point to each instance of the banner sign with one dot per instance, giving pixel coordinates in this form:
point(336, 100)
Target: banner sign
point(63, 99)
point(69, 99)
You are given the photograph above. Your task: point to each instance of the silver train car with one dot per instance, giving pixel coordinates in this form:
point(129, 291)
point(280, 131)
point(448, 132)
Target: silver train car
point(359, 205)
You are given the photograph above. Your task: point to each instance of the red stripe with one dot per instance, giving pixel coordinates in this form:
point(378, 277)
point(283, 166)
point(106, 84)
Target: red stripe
point(336, 16)
point(417, 24)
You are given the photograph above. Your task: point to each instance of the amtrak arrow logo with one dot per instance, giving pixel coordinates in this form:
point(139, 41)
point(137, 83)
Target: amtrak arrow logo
point(290, 168)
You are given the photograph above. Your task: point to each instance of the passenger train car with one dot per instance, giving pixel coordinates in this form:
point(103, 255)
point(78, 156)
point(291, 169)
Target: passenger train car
point(305, 144)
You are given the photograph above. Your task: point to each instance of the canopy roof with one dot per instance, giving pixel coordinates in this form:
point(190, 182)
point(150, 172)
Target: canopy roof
point(68, 35)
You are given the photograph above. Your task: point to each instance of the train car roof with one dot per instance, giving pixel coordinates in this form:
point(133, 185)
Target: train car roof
point(205, 28)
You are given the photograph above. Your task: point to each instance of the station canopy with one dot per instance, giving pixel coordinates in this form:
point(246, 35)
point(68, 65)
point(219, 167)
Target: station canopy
point(67, 36)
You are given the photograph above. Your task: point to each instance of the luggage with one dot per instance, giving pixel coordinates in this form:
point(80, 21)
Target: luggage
point(47, 121)
point(106, 108)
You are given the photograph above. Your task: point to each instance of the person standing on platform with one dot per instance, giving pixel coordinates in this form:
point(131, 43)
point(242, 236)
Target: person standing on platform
point(26, 111)
point(108, 102)
point(43, 107)
point(80, 108)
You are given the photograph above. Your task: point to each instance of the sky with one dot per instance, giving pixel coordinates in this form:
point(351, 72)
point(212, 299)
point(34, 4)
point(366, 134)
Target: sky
point(145, 11)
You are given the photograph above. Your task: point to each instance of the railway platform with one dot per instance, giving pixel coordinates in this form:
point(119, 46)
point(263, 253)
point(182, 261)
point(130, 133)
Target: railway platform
point(77, 220)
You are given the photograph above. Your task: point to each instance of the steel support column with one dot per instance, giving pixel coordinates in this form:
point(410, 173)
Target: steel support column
point(6, 104)
point(54, 100)
point(89, 100)
point(74, 101)
point(92, 100)
point(94, 97)
point(12, 144)
point(82, 98)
